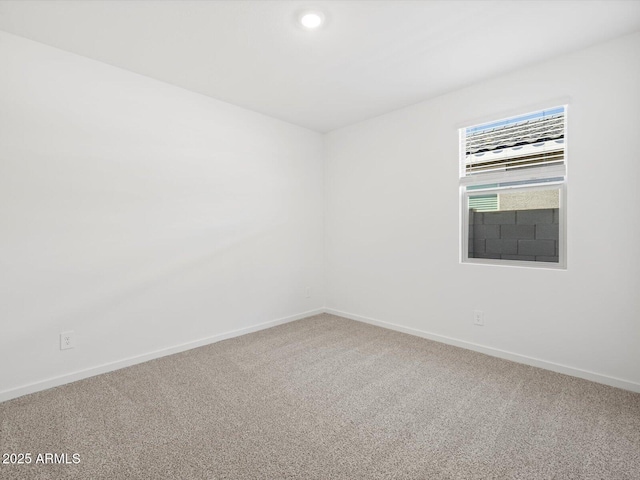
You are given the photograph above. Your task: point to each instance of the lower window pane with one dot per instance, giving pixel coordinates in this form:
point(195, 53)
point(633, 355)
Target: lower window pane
point(522, 225)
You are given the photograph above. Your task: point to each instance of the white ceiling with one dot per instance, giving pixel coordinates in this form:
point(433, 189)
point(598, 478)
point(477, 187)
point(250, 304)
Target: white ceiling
point(371, 57)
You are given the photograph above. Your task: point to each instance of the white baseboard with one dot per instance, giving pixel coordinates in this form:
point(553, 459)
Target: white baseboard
point(127, 362)
point(495, 352)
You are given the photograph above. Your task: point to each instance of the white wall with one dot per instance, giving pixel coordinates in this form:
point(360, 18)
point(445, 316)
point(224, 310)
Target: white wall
point(142, 216)
point(145, 217)
point(393, 209)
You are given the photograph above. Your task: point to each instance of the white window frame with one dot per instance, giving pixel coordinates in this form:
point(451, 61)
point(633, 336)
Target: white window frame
point(535, 176)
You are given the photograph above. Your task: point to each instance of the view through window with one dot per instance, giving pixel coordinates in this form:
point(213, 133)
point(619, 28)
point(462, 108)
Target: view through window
point(512, 180)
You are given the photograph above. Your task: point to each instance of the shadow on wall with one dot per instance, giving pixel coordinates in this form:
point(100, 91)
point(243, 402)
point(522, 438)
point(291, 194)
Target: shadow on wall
point(232, 265)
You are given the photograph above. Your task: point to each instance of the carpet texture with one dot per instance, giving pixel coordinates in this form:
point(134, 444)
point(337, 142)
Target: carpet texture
point(327, 398)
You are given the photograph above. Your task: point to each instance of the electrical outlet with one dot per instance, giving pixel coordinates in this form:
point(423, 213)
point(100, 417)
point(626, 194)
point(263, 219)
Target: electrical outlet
point(307, 292)
point(478, 317)
point(67, 340)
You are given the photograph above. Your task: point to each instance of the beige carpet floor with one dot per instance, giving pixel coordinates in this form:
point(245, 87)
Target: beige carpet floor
point(327, 398)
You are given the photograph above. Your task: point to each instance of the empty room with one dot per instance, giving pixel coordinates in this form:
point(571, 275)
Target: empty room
point(319, 240)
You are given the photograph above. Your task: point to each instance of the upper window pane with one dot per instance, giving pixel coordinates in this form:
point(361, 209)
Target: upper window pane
point(526, 141)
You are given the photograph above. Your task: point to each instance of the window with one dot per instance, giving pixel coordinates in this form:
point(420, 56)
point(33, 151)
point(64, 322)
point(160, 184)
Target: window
point(513, 190)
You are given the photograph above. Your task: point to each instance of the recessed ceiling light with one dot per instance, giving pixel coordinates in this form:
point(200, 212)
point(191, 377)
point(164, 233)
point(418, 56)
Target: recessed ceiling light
point(311, 20)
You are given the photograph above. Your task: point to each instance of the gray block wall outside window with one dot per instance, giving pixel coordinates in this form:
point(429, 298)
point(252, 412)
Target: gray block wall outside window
point(529, 235)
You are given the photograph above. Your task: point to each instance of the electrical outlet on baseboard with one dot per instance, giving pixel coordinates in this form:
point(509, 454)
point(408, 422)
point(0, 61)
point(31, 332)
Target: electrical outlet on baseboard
point(67, 340)
point(478, 318)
